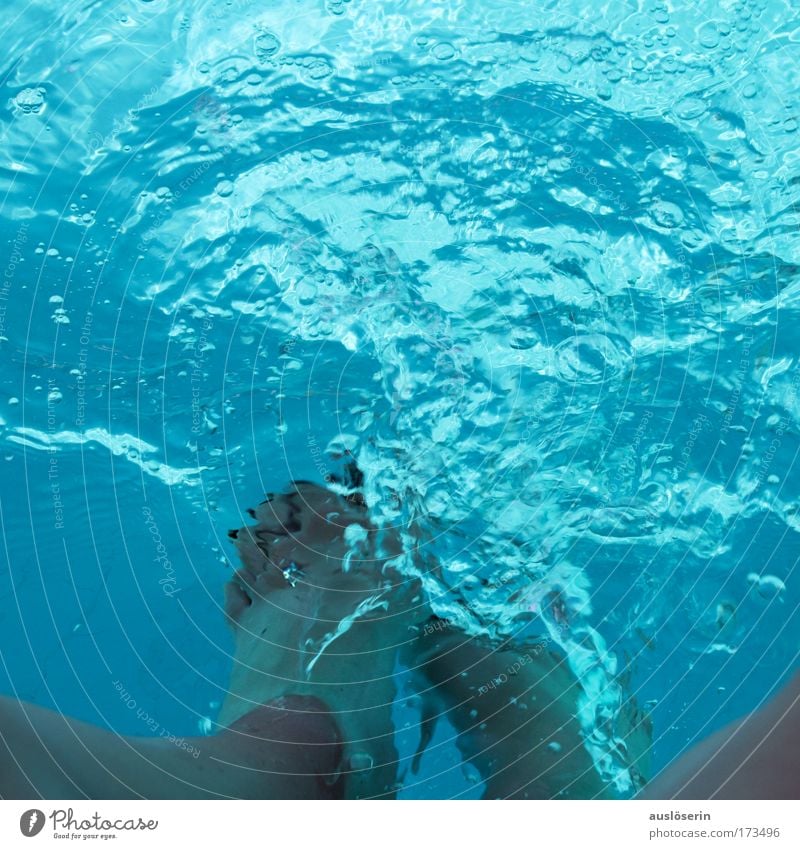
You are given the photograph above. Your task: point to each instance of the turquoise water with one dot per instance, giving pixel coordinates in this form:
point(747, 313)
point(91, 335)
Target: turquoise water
point(534, 266)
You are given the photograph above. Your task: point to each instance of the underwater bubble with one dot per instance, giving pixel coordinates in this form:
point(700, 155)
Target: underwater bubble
point(564, 64)
point(708, 35)
point(749, 90)
point(591, 358)
point(670, 65)
point(522, 339)
point(30, 100)
point(690, 107)
point(54, 396)
point(267, 44)
point(767, 586)
point(443, 51)
point(317, 68)
point(554, 746)
point(225, 188)
point(665, 214)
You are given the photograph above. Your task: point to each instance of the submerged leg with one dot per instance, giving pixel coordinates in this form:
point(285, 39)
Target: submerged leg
point(515, 713)
point(753, 758)
point(289, 748)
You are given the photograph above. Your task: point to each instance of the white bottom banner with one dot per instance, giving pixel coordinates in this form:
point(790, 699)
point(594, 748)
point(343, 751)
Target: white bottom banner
point(394, 824)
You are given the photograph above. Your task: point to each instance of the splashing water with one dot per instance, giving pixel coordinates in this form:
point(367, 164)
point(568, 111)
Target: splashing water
point(537, 272)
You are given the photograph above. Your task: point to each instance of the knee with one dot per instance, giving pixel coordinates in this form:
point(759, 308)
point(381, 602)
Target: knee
point(297, 736)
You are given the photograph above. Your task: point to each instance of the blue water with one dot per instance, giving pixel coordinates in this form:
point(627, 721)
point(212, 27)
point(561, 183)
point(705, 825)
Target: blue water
point(535, 266)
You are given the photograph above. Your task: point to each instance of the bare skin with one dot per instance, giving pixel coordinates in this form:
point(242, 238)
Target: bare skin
point(288, 632)
point(289, 748)
point(509, 733)
point(752, 758)
point(320, 618)
point(514, 710)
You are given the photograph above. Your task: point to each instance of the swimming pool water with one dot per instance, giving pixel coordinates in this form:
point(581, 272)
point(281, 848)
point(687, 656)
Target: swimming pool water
point(534, 266)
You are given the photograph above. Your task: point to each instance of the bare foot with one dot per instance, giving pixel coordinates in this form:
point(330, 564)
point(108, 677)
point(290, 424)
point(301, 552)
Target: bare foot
point(316, 612)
